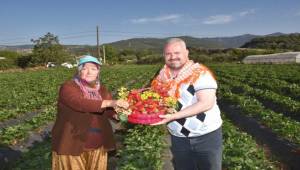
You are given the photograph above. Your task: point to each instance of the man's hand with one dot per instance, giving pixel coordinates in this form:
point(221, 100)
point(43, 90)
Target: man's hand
point(165, 119)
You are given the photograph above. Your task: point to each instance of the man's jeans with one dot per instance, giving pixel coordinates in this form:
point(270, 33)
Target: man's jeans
point(195, 153)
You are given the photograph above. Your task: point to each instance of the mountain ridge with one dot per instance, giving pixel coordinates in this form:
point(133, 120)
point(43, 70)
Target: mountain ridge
point(157, 43)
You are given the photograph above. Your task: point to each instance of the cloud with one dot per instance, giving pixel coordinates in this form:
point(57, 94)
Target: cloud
point(164, 18)
point(248, 12)
point(227, 18)
point(218, 19)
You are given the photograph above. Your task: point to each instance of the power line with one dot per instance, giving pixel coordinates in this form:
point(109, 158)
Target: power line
point(16, 43)
point(78, 36)
point(90, 33)
point(129, 32)
point(12, 40)
point(17, 38)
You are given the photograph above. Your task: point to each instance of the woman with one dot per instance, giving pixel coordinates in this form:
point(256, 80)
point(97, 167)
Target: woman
point(82, 134)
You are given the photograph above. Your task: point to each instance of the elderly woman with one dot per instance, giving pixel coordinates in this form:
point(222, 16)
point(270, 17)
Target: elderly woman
point(82, 134)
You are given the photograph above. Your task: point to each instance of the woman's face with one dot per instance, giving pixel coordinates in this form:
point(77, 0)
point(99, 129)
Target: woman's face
point(89, 72)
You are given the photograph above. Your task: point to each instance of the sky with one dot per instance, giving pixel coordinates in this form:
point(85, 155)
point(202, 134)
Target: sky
point(75, 21)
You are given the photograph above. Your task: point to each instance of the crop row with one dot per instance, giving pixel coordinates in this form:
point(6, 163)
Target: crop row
point(289, 73)
point(281, 87)
point(285, 103)
point(279, 123)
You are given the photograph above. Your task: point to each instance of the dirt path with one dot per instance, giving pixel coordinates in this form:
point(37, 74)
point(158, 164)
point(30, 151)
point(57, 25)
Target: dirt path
point(167, 155)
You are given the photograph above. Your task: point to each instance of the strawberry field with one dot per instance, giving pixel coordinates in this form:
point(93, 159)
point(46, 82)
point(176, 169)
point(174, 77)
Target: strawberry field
point(260, 107)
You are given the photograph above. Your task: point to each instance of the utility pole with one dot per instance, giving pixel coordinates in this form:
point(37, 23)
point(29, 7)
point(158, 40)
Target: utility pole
point(103, 49)
point(98, 48)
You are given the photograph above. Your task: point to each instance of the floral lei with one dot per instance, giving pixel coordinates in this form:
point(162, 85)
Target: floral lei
point(168, 86)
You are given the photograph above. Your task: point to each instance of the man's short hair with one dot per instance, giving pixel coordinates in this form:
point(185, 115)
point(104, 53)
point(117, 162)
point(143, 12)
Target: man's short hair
point(175, 40)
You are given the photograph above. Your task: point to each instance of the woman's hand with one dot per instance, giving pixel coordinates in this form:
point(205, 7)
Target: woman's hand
point(115, 103)
point(122, 103)
point(116, 117)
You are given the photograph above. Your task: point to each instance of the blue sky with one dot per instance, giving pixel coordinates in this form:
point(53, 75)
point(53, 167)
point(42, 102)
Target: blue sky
point(75, 21)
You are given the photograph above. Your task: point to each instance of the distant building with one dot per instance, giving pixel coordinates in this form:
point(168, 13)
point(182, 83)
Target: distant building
point(278, 58)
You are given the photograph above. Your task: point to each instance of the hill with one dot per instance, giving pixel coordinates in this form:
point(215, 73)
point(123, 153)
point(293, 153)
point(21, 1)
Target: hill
point(232, 42)
point(208, 43)
point(156, 44)
point(288, 41)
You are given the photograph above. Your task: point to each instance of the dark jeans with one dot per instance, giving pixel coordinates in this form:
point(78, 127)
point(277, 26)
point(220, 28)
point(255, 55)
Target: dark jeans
point(195, 153)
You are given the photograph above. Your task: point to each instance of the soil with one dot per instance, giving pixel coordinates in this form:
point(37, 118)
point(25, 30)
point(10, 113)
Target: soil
point(288, 153)
point(19, 119)
point(22, 70)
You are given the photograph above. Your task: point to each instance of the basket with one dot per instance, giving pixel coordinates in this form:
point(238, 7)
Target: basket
point(145, 107)
point(145, 119)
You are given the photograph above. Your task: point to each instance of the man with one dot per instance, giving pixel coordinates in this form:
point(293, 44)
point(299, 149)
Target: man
point(195, 128)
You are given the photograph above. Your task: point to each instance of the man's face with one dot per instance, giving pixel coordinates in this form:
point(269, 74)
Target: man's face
point(176, 55)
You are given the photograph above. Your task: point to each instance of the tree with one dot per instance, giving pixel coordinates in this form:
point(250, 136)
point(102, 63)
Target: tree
point(111, 54)
point(47, 49)
point(142, 54)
